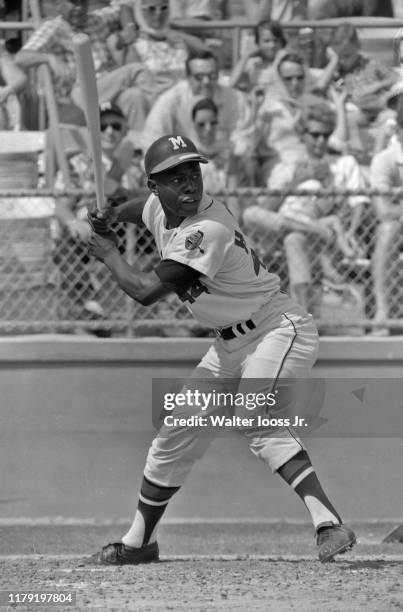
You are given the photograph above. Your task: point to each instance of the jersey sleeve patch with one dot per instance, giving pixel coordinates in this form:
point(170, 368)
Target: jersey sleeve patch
point(203, 247)
point(194, 240)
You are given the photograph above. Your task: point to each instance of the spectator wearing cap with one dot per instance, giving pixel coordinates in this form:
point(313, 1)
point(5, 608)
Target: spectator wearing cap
point(123, 175)
point(386, 174)
point(171, 113)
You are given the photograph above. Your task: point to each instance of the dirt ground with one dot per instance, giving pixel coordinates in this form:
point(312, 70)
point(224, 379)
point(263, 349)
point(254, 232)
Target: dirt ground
point(203, 567)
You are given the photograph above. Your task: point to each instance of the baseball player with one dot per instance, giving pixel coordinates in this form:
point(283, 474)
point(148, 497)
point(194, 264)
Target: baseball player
point(263, 340)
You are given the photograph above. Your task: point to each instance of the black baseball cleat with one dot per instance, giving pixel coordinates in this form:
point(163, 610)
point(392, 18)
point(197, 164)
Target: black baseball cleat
point(333, 540)
point(120, 554)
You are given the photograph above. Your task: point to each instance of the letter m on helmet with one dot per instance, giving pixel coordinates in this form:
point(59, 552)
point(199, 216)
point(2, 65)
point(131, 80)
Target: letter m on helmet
point(177, 142)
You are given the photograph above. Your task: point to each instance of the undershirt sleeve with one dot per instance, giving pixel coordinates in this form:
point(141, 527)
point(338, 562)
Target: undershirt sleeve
point(180, 276)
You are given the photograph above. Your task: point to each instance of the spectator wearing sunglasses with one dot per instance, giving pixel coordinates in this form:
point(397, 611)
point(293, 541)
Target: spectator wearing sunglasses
point(313, 225)
point(277, 138)
point(172, 112)
point(123, 175)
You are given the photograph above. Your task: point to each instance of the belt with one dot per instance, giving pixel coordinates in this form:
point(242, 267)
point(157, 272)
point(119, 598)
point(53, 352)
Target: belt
point(228, 333)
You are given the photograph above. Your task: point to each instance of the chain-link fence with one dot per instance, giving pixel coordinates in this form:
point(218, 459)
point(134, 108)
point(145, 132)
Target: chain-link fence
point(48, 282)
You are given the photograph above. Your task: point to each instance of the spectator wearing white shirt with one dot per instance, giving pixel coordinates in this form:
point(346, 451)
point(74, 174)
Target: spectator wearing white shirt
point(171, 113)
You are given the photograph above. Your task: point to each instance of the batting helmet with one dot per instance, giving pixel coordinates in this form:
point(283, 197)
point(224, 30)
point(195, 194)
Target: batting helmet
point(170, 151)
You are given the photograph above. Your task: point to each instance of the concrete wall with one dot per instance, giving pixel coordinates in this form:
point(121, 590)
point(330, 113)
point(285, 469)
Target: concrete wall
point(76, 425)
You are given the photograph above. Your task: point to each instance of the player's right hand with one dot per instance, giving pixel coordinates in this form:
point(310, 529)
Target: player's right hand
point(100, 222)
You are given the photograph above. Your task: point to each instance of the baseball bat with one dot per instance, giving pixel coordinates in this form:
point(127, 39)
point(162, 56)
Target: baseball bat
point(89, 92)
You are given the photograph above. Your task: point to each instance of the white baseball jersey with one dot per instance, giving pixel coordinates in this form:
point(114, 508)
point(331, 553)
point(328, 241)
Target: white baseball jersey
point(233, 284)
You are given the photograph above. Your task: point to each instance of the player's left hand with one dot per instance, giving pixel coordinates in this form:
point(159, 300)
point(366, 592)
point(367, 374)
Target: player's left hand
point(100, 246)
point(100, 221)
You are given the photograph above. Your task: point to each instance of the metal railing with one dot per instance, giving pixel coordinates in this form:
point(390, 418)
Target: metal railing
point(237, 24)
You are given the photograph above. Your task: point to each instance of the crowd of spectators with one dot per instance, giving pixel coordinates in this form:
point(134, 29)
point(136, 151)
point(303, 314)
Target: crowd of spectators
point(272, 120)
